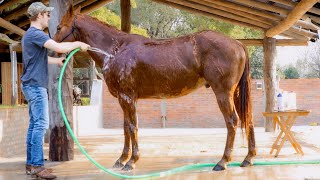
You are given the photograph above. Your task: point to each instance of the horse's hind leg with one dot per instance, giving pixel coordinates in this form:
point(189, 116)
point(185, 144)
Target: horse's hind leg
point(226, 105)
point(128, 105)
point(251, 147)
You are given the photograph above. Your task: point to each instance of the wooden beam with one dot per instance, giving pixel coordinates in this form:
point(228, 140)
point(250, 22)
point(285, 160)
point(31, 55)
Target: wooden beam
point(293, 4)
point(307, 25)
point(185, 8)
point(260, 5)
point(239, 7)
point(228, 15)
point(314, 18)
point(16, 14)
point(294, 35)
point(94, 6)
point(6, 40)
point(15, 29)
point(16, 47)
point(293, 17)
point(269, 76)
point(85, 3)
point(61, 146)
point(125, 15)
point(19, 24)
point(239, 13)
point(279, 42)
point(21, 11)
point(303, 32)
point(8, 4)
point(25, 22)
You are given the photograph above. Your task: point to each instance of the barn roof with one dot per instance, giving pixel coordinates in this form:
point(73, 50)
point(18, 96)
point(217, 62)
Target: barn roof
point(290, 18)
point(298, 20)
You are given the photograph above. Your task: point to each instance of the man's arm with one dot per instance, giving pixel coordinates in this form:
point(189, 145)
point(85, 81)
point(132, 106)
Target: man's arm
point(53, 60)
point(65, 47)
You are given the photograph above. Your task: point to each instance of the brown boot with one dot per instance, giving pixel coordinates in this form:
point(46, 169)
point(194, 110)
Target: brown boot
point(41, 172)
point(28, 169)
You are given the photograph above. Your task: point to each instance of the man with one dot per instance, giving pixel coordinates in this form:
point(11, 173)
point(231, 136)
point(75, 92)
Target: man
point(35, 83)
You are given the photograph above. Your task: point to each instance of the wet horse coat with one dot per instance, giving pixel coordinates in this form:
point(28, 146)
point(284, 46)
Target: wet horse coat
point(147, 68)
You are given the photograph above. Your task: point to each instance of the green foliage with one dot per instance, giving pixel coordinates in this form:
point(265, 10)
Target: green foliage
point(256, 63)
point(165, 22)
point(105, 15)
point(291, 72)
point(85, 101)
point(279, 72)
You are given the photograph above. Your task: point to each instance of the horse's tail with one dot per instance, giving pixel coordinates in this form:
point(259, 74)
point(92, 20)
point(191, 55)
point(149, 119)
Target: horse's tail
point(242, 97)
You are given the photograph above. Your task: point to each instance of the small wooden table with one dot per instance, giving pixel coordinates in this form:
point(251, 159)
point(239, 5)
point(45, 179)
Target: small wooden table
point(285, 120)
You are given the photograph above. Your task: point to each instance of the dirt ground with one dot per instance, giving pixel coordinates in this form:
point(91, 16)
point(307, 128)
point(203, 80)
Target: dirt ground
point(163, 149)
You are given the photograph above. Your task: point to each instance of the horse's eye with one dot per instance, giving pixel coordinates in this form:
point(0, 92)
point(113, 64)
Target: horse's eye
point(58, 28)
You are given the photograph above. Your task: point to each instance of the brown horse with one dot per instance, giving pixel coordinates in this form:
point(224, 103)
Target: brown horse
point(147, 68)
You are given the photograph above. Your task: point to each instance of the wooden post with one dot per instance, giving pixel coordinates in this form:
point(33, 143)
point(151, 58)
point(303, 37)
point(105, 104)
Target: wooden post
point(14, 76)
point(61, 146)
point(269, 76)
point(125, 15)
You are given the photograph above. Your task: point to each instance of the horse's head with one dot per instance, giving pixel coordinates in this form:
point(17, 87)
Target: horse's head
point(66, 30)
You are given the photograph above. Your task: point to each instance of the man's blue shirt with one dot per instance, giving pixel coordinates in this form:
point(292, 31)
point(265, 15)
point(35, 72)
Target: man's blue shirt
point(35, 58)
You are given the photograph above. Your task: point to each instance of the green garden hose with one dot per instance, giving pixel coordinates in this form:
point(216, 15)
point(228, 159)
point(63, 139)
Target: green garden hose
point(156, 174)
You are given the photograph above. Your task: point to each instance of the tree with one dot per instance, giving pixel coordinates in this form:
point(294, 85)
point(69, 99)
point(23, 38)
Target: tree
point(309, 65)
point(162, 21)
point(105, 15)
point(291, 72)
point(256, 63)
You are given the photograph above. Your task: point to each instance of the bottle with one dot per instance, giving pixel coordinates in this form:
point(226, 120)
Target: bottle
point(280, 102)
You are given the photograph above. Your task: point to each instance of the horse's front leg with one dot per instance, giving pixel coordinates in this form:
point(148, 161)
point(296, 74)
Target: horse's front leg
point(128, 105)
point(126, 152)
point(228, 110)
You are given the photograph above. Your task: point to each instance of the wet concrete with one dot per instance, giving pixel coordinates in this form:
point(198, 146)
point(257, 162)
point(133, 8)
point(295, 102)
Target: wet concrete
point(175, 148)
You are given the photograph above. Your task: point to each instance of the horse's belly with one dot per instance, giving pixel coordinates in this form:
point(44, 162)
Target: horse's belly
point(170, 89)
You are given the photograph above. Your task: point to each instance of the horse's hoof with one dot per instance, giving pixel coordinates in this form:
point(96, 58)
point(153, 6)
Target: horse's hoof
point(246, 163)
point(127, 167)
point(218, 168)
point(118, 164)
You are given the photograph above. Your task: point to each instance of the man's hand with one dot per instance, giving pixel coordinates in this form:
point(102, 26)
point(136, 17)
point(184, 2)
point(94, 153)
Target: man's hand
point(60, 61)
point(84, 46)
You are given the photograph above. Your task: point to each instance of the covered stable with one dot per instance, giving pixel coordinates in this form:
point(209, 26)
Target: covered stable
point(298, 20)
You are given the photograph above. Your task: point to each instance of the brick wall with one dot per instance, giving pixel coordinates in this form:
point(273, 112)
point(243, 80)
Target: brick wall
point(200, 110)
point(13, 130)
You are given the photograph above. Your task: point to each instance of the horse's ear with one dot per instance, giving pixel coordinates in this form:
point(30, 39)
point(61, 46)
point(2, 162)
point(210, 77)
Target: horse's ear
point(77, 10)
point(70, 11)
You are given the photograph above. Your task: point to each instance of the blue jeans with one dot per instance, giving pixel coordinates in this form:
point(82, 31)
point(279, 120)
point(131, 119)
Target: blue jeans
point(37, 98)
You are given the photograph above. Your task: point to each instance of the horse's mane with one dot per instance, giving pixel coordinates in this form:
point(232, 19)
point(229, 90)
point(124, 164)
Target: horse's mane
point(96, 20)
point(158, 42)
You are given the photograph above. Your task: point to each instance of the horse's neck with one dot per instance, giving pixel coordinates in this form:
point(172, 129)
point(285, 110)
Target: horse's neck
point(100, 36)
point(91, 26)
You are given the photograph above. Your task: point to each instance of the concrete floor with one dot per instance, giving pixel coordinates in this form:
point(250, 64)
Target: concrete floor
point(163, 149)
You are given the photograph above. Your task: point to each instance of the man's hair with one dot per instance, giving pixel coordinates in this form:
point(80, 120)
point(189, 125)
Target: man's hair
point(34, 18)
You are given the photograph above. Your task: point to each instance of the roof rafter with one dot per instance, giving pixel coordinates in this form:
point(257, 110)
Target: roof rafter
point(264, 6)
point(181, 7)
point(298, 11)
point(240, 13)
point(239, 7)
point(218, 12)
point(8, 4)
point(293, 4)
point(11, 27)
